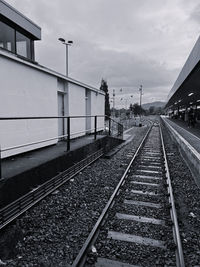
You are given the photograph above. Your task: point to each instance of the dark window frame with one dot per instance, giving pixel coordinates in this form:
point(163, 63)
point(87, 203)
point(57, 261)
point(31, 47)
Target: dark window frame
point(9, 33)
point(16, 28)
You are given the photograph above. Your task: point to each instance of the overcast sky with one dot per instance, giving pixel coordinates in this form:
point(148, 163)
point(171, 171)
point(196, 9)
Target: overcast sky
point(126, 42)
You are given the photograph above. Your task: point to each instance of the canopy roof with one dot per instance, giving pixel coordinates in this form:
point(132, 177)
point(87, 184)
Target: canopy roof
point(186, 89)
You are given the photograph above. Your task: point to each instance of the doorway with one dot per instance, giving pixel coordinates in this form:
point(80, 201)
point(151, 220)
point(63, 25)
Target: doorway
point(61, 112)
point(88, 111)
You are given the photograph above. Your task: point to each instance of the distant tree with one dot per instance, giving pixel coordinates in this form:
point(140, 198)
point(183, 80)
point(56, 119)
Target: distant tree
point(160, 111)
point(137, 110)
point(116, 113)
point(128, 113)
point(151, 110)
point(104, 87)
point(155, 110)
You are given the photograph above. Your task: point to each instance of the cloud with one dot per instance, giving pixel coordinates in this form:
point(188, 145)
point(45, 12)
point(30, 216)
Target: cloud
point(128, 42)
point(195, 13)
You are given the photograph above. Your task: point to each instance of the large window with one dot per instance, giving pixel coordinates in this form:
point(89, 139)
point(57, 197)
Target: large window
point(7, 37)
point(15, 41)
point(23, 45)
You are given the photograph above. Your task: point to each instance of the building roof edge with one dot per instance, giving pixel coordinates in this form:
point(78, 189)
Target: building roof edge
point(20, 19)
point(47, 70)
point(21, 14)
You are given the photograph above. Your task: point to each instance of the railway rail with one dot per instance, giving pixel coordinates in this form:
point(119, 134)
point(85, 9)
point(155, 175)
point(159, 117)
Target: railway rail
point(21, 205)
point(138, 226)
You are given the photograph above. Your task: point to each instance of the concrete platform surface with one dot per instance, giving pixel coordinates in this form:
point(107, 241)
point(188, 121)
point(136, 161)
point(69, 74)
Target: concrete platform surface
point(191, 135)
point(15, 165)
point(189, 146)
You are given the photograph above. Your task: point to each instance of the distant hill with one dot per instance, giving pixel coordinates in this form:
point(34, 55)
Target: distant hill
point(156, 104)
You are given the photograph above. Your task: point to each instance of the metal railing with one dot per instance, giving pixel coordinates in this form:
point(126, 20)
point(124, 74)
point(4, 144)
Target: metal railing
point(111, 128)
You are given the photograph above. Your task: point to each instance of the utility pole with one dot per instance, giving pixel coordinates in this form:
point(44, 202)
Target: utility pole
point(140, 89)
point(126, 103)
point(113, 103)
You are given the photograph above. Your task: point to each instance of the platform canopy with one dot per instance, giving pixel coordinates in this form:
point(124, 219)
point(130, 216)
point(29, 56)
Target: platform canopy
point(186, 89)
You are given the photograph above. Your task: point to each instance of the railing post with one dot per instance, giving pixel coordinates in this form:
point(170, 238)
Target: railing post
point(0, 164)
point(95, 127)
point(109, 125)
point(68, 133)
point(121, 130)
point(118, 129)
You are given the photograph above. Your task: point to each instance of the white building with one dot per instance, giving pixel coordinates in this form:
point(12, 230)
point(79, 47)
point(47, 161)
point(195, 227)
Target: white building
point(29, 89)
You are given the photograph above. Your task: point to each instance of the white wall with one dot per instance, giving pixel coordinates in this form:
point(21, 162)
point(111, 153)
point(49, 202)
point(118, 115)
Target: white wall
point(62, 87)
point(76, 97)
point(25, 91)
point(77, 107)
point(31, 90)
point(98, 108)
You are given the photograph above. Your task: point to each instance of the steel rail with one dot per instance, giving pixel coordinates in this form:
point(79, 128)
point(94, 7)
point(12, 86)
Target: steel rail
point(176, 233)
point(19, 206)
point(81, 257)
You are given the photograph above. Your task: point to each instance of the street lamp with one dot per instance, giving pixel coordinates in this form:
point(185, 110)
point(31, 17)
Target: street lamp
point(66, 44)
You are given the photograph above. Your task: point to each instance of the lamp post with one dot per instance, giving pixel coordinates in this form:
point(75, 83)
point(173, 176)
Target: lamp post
point(113, 103)
point(66, 44)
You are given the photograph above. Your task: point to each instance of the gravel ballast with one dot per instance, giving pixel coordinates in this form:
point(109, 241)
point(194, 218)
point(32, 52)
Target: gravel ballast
point(187, 200)
point(149, 244)
point(53, 232)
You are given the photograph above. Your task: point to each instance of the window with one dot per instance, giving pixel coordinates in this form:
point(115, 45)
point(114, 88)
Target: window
point(7, 37)
point(16, 42)
point(23, 45)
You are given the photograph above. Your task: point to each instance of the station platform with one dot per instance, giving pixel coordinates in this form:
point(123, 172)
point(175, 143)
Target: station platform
point(188, 141)
point(191, 135)
point(25, 172)
point(15, 165)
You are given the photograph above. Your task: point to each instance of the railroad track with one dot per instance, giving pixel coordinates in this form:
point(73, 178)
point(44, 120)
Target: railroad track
point(138, 226)
point(21, 205)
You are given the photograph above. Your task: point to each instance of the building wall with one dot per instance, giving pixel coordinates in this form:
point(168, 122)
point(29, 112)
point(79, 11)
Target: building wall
point(29, 90)
point(26, 92)
point(98, 108)
point(76, 96)
point(62, 105)
point(88, 125)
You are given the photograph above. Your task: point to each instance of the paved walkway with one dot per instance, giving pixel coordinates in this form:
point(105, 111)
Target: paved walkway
point(191, 135)
point(15, 165)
